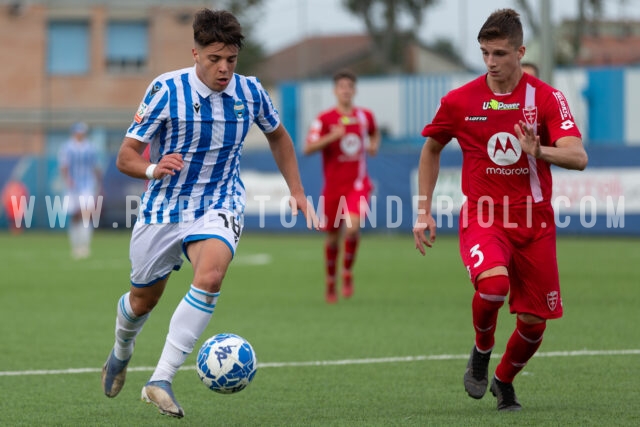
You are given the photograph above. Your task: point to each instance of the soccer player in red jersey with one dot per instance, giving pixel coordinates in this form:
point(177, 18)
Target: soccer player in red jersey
point(511, 127)
point(12, 194)
point(345, 134)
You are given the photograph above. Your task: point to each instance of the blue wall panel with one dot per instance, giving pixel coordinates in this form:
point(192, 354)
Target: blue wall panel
point(605, 99)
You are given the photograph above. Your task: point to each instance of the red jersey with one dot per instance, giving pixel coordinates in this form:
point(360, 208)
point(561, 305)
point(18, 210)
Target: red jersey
point(494, 164)
point(344, 161)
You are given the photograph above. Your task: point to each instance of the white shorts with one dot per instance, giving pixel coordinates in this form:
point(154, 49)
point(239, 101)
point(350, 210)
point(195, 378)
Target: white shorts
point(156, 249)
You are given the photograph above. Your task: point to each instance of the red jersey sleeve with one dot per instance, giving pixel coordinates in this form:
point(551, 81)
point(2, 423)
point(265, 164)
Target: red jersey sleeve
point(559, 122)
point(316, 130)
point(371, 121)
point(442, 126)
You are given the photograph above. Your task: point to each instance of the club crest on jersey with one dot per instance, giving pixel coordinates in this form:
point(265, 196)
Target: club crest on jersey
point(530, 114)
point(238, 109)
point(552, 300)
point(142, 109)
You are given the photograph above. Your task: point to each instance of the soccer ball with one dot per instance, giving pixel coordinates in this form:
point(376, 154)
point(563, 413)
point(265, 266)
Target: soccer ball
point(226, 363)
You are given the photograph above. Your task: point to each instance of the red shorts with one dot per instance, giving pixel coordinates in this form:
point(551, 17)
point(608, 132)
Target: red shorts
point(525, 244)
point(338, 207)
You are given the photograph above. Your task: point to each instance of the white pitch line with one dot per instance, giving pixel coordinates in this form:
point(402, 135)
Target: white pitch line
point(368, 361)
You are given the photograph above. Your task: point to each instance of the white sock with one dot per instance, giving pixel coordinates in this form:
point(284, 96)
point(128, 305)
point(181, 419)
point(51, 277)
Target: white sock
point(187, 324)
point(128, 326)
point(74, 235)
point(84, 239)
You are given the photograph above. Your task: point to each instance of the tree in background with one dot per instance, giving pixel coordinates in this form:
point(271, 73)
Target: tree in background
point(247, 12)
point(446, 48)
point(383, 19)
point(588, 11)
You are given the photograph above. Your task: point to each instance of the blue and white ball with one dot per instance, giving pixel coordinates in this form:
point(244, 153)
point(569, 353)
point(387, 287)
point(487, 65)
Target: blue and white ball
point(226, 363)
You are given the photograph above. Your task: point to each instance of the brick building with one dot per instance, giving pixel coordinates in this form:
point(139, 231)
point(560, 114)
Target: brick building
point(72, 60)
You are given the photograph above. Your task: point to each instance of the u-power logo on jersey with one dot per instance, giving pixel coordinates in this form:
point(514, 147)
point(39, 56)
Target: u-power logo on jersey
point(504, 150)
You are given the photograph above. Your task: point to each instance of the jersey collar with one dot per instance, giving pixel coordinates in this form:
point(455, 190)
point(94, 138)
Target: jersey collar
point(204, 90)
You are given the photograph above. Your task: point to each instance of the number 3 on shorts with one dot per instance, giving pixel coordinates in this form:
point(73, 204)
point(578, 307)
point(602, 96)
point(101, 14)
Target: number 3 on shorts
point(476, 252)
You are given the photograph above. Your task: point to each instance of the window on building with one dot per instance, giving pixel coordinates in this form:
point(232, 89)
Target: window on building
point(127, 46)
point(68, 49)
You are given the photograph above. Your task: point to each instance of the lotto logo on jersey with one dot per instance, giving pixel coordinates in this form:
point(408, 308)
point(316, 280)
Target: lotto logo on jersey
point(567, 124)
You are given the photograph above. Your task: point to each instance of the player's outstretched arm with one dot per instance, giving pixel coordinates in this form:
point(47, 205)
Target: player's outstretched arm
point(374, 142)
point(131, 162)
point(336, 132)
point(284, 154)
point(428, 171)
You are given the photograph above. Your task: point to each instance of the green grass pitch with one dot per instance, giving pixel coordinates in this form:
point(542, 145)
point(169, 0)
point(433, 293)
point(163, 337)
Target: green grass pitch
point(393, 355)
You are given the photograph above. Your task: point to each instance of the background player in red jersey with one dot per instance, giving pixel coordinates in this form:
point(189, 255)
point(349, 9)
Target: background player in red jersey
point(345, 134)
point(530, 68)
point(12, 194)
point(511, 128)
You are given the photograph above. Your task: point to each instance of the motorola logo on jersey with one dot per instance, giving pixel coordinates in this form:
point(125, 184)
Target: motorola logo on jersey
point(504, 149)
point(350, 144)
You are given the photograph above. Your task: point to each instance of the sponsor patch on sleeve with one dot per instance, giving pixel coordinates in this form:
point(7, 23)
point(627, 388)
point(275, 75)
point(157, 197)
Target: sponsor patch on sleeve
point(563, 105)
point(142, 109)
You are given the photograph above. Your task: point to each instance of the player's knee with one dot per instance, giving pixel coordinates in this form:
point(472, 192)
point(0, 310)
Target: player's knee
point(333, 238)
point(142, 305)
point(531, 327)
point(209, 281)
point(494, 287)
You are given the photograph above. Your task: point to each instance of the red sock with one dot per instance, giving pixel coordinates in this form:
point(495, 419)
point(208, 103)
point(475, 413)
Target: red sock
point(489, 297)
point(522, 345)
point(350, 248)
point(330, 257)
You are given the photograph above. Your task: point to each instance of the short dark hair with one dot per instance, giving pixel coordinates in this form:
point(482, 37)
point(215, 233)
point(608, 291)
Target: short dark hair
point(216, 26)
point(533, 66)
point(502, 24)
point(345, 74)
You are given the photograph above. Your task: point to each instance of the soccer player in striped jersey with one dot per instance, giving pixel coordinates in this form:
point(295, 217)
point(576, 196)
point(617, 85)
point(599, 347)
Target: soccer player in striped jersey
point(194, 121)
point(345, 135)
point(511, 127)
point(81, 172)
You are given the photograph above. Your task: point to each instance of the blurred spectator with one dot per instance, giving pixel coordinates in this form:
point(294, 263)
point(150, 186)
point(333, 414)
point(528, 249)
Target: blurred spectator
point(11, 195)
point(530, 68)
point(79, 168)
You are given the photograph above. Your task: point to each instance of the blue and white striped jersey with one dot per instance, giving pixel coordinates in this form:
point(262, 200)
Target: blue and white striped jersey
point(81, 160)
point(180, 114)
